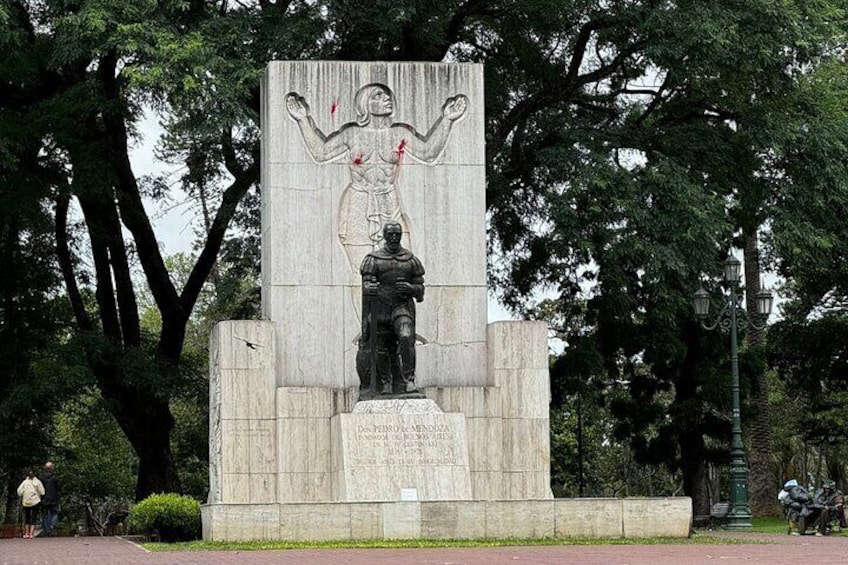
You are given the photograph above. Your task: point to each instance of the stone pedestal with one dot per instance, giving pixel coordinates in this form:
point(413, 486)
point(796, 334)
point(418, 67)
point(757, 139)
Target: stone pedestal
point(610, 518)
point(393, 450)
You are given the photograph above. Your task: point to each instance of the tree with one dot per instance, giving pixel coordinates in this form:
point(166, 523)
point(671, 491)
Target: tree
point(697, 94)
point(81, 98)
point(620, 136)
point(31, 318)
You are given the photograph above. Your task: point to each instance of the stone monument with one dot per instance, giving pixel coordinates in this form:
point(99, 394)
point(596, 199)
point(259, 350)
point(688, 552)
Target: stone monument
point(297, 449)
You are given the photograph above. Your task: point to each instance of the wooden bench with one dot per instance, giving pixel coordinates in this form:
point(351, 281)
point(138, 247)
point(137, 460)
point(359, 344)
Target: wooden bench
point(718, 514)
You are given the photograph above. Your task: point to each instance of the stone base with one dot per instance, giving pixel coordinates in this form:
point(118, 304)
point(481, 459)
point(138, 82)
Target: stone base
point(401, 449)
point(454, 519)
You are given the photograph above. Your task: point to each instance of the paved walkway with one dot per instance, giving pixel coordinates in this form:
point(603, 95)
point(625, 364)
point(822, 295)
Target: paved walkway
point(115, 551)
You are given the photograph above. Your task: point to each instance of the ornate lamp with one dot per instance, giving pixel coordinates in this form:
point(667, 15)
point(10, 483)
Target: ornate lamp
point(732, 269)
point(731, 315)
point(702, 303)
point(765, 300)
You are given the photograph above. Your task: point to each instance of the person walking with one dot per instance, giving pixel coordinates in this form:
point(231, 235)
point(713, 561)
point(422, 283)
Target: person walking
point(30, 490)
point(50, 500)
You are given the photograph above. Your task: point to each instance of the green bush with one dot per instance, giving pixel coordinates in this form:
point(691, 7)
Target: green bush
point(175, 517)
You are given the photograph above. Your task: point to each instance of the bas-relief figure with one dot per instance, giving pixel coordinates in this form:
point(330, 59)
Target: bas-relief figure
point(374, 148)
point(392, 281)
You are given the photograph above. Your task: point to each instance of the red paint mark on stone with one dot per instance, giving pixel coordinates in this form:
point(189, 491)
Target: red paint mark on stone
point(358, 159)
point(401, 149)
point(334, 106)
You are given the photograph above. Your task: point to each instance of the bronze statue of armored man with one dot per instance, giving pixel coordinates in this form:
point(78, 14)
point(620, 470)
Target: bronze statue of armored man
point(392, 281)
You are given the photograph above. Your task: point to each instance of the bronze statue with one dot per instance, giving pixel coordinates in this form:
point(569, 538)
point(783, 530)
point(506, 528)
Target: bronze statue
point(392, 281)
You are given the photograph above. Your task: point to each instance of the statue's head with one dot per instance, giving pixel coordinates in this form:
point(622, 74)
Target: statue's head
point(392, 233)
point(373, 99)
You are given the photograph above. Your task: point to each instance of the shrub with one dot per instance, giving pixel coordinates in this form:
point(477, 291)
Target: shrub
point(175, 517)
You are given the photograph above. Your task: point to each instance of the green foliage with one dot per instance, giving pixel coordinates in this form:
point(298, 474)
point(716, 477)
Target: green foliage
point(422, 543)
point(621, 197)
point(811, 358)
point(94, 457)
point(174, 517)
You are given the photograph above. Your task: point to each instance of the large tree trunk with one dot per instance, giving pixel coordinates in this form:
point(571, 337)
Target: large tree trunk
point(141, 411)
point(693, 461)
point(694, 468)
point(762, 483)
point(11, 506)
point(111, 201)
point(147, 422)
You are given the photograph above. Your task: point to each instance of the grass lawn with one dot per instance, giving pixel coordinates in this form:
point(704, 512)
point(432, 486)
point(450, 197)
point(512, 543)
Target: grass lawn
point(699, 539)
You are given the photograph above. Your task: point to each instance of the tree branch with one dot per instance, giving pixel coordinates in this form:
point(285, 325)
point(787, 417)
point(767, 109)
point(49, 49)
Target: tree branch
point(63, 253)
point(206, 262)
point(129, 199)
point(104, 291)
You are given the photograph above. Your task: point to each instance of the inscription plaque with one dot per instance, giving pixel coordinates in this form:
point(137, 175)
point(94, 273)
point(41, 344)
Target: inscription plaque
point(384, 453)
point(404, 445)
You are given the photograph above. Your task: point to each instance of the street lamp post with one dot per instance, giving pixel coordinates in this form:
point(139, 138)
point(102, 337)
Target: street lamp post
point(729, 318)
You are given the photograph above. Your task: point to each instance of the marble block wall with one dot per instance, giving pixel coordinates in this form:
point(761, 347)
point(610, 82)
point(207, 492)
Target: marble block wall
point(508, 422)
point(456, 519)
point(316, 172)
point(299, 444)
point(305, 444)
point(242, 413)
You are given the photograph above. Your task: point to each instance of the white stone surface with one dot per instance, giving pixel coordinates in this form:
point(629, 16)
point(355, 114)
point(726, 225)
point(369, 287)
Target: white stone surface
point(488, 485)
point(315, 521)
point(473, 401)
point(397, 406)
point(452, 520)
point(485, 444)
point(526, 393)
point(460, 364)
point(383, 453)
point(526, 519)
point(242, 409)
point(589, 518)
point(308, 281)
point(517, 345)
point(526, 444)
point(305, 487)
point(310, 353)
point(562, 518)
point(667, 517)
point(402, 520)
point(240, 522)
point(244, 344)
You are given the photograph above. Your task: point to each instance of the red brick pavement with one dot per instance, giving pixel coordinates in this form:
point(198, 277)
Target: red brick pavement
point(115, 551)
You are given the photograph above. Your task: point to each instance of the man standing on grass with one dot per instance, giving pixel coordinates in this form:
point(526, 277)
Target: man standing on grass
point(50, 500)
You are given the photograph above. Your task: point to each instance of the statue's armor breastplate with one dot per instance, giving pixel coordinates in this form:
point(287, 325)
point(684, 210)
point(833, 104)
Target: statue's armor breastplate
point(390, 271)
